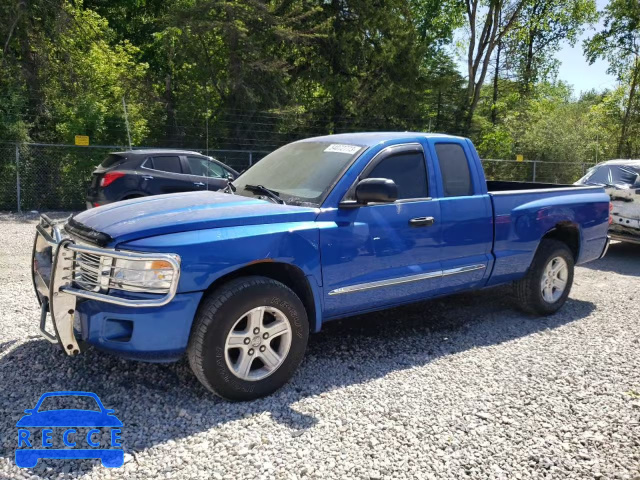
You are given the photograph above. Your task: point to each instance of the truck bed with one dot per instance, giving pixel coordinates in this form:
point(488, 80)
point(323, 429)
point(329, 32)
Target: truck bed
point(507, 186)
point(525, 211)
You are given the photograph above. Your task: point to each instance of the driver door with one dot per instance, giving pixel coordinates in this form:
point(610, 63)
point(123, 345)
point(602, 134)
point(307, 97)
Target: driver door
point(383, 254)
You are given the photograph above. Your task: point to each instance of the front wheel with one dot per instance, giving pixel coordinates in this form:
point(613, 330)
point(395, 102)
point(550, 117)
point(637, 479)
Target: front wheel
point(546, 286)
point(248, 338)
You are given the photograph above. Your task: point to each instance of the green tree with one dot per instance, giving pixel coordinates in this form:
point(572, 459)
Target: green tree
point(535, 39)
point(619, 43)
point(488, 22)
point(68, 75)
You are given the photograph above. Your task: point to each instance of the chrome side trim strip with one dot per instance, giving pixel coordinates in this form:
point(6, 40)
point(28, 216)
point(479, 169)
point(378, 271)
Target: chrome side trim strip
point(465, 269)
point(410, 278)
point(386, 283)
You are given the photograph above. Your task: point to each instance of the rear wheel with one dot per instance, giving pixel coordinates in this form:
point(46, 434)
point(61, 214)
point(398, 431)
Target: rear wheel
point(547, 284)
point(248, 338)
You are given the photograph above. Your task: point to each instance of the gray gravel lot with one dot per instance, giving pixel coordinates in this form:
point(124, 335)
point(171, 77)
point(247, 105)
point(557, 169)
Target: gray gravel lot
point(464, 387)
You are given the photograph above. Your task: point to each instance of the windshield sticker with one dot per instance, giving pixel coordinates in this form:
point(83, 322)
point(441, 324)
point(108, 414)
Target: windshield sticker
point(339, 148)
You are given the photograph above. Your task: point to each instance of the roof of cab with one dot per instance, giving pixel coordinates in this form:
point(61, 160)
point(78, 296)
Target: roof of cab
point(370, 139)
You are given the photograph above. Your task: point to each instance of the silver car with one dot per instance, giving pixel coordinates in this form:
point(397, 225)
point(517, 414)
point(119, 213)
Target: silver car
point(621, 179)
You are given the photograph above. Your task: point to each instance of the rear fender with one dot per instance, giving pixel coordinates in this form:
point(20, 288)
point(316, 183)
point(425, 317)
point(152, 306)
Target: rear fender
point(520, 227)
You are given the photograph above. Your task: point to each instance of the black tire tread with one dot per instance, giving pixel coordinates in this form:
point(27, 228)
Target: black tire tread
point(205, 316)
point(526, 289)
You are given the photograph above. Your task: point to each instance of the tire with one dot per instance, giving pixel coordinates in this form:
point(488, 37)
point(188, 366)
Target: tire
point(529, 290)
point(237, 304)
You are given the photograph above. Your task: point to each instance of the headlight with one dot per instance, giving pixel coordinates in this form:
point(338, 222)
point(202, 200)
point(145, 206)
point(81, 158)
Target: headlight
point(132, 275)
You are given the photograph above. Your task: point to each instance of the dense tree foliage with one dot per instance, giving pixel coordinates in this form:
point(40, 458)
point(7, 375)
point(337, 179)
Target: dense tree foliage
point(255, 74)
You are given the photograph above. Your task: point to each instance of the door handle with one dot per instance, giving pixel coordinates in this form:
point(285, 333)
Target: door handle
point(198, 184)
point(422, 221)
point(147, 177)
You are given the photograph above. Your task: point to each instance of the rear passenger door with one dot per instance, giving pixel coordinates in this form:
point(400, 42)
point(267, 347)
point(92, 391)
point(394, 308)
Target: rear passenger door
point(164, 174)
point(466, 216)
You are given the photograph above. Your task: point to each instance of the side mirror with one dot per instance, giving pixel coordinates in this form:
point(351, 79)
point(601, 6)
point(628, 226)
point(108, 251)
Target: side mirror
point(376, 190)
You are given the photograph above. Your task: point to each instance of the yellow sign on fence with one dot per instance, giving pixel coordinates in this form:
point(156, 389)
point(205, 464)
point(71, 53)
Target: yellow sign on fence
point(519, 158)
point(82, 140)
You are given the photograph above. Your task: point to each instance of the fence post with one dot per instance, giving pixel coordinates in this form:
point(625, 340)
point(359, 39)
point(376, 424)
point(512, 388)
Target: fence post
point(18, 177)
point(535, 162)
point(250, 158)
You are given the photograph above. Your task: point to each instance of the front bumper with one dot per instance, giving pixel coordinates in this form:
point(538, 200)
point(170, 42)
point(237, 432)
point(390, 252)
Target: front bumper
point(55, 260)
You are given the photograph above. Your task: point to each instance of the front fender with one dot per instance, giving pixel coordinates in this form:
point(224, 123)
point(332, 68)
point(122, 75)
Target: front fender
point(207, 255)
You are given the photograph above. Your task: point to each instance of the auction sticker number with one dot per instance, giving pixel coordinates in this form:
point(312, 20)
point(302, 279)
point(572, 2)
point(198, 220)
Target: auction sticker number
point(341, 148)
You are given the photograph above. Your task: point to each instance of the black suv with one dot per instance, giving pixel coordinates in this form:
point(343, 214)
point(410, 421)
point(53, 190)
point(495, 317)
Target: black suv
point(138, 173)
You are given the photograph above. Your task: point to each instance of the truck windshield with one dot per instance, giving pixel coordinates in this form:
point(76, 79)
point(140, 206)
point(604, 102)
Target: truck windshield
point(300, 173)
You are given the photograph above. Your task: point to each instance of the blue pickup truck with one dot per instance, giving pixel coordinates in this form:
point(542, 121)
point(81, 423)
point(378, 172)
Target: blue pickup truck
point(320, 229)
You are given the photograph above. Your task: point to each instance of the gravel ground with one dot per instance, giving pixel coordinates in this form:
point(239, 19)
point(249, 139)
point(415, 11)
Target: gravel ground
point(464, 387)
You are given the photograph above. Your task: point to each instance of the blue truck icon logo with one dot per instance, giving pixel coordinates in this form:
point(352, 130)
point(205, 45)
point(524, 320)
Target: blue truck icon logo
point(71, 422)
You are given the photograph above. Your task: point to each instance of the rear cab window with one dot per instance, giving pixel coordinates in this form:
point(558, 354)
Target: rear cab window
point(454, 169)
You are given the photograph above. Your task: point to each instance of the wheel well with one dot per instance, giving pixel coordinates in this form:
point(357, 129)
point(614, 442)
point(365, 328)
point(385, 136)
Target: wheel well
point(289, 275)
point(567, 233)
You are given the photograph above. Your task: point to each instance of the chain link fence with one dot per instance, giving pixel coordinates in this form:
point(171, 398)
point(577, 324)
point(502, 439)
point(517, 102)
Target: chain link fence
point(534, 171)
point(55, 177)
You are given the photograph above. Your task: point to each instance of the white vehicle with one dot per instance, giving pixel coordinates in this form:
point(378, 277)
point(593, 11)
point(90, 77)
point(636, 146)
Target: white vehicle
point(621, 179)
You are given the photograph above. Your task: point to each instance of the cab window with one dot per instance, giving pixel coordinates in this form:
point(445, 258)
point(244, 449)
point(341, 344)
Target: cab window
point(408, 172)
point(454, 168)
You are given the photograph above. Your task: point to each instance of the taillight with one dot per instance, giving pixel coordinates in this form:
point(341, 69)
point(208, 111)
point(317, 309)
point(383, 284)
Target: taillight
point(110, 177)
point(610, 211)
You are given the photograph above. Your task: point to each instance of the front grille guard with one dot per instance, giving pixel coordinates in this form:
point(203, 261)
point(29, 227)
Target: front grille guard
point(53, 261)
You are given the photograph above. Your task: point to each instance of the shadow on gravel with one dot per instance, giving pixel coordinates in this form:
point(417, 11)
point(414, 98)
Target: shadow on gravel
point(163, 402)
point(622, 258)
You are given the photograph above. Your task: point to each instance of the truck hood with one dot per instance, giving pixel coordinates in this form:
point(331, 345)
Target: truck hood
point(163, 214)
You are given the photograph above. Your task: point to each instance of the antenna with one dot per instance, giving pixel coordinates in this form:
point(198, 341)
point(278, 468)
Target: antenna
point(126, 121)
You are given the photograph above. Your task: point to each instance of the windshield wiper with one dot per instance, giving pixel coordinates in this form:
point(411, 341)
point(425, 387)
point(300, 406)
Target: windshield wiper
point(267, 191)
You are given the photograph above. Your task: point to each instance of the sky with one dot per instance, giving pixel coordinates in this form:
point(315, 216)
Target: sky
point(576, 71)
point(574, 68)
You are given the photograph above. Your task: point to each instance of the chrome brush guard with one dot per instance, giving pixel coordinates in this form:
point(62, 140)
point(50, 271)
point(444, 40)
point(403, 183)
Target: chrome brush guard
point(64, 270)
